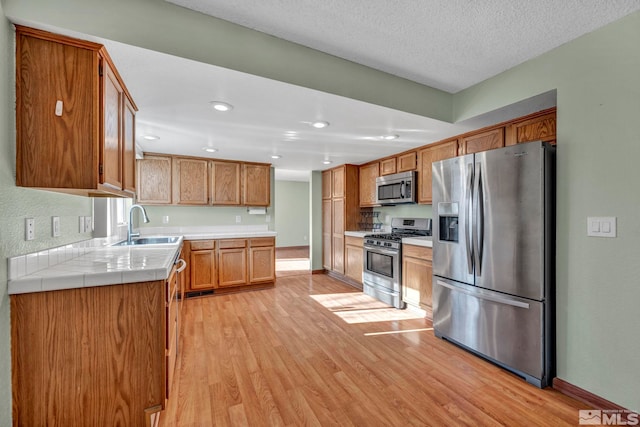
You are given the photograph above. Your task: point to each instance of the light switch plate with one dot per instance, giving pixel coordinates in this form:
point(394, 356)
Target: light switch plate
point(601, 226)
point(55, 226)
point(238, 219)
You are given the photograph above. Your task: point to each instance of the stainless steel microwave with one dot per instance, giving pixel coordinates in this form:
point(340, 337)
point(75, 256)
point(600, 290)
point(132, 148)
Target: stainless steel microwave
point(396, 189)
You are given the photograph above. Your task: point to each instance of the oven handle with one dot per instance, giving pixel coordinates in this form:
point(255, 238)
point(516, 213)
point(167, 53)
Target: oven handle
point(381, 250)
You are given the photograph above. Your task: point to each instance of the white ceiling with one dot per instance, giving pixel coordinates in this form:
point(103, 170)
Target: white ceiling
point(445, 44)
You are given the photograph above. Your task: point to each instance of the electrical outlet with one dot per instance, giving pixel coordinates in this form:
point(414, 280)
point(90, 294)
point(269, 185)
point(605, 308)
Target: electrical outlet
point(81, 224)
point(29, 229)
point(55, 226)
point(238, 219)
point(87, 224)
point(267, 218)
point(165, 219)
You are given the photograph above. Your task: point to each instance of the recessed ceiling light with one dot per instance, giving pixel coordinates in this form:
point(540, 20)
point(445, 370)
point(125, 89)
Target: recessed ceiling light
point(276, 156)
point(209, 149)
point(389, 137)
point(320, 125)
point(150, 137)
point(326, 162)
point(221, 106)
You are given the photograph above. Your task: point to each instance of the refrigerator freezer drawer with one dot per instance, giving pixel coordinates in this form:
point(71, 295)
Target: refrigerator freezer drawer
point(508, 330)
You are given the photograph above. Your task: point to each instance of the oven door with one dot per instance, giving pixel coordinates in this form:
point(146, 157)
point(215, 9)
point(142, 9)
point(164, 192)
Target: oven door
point(382, 268)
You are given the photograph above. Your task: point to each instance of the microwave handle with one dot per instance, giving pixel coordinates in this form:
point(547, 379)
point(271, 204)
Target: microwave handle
point(402, 190)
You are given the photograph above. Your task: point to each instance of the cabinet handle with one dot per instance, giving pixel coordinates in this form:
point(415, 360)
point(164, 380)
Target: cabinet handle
point(183, 265)
point(59, 106)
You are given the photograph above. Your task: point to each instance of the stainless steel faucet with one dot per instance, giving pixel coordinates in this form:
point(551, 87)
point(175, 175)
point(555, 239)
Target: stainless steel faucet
point(145, 218)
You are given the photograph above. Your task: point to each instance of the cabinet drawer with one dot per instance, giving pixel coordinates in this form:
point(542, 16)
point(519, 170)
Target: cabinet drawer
point(417, 252)
point(232, 243)
point(262, 241)
point(353, 241)
point(201, 245)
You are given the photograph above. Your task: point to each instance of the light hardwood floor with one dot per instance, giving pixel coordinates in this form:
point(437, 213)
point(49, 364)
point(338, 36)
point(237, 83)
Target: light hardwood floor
point(314, 351)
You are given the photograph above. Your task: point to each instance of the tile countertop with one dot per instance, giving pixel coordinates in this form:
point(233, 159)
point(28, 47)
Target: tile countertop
point(95, 263)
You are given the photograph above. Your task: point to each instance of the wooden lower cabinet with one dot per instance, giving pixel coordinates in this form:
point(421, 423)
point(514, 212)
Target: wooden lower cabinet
point(353, 258)
point(93, 356)
point(417, 271)
point(202, 265)
point(227, 263)
point(262, 259)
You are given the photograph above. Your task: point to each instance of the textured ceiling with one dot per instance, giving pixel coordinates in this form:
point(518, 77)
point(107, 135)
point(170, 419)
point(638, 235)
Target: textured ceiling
point(445, 44)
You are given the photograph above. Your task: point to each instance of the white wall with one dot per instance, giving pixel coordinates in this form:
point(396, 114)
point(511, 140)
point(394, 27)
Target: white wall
point(292, 216)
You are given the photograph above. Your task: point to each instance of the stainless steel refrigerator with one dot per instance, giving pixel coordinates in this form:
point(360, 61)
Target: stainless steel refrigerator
point(493, 256)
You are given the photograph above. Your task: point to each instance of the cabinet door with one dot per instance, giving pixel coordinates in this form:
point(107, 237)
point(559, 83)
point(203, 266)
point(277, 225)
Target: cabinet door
point(256, 182)
point(337, 241)
point(111, 159)
point(482, 141)
point(47, 73)
point(129, 147)
point(327, 233)
point(388, 166)
point(203, 270)
point(426, 157)
point(407, 162)
point(538, 128)
point(337, 182)
point(326, 184)
point(154, 180)
point(232, 267)
point(262, 264)
point(368, 175)
point(353, 259)
point(225, 183)
point(190, 181)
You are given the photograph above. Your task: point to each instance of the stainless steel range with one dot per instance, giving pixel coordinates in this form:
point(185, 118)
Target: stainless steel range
point(382, 274)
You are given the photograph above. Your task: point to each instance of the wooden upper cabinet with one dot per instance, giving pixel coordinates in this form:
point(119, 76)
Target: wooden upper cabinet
point(111, 158)
point(190, 177)
point(387, 166)
point(154, 180)
point(337, 181)
point(426, 157)
point(70, 116)
point(540, 127)
point(225, 183)
point(368, 174)
point(407, 162)
point(256, 179)
point(129, 147)
point(482, 141)
point(326, 184)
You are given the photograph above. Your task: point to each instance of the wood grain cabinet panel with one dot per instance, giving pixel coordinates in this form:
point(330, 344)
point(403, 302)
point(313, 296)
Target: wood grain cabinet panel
point(327, 234)
point(190, 181)
point(256, 179)
point(426, 158)
point(540, 127)
point(388, 166)
point(326, 184)
point(226, 187)
point(407, 162)
point(337, 182)
point(262, 261)
point(70, 116)
point(417, 279)
point(202, 265)
point(104, 346)
point(129, 147)
point(232, 267)
point(353, 258)
point(154, 180)
point(483, 141)
point(368, 175)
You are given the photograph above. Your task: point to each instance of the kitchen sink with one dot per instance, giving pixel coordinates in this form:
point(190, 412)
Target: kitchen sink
point(137, 241)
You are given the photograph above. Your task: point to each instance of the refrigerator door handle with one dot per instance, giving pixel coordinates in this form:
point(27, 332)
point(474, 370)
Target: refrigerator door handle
point(469, 224)
point(498, 299)
point(479, 245)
